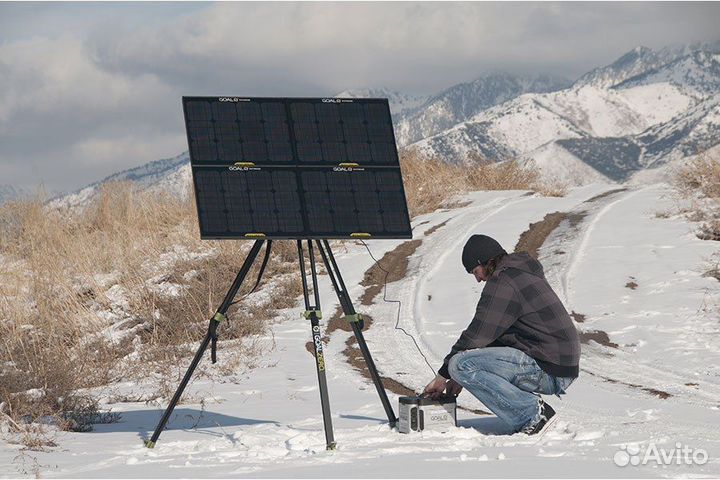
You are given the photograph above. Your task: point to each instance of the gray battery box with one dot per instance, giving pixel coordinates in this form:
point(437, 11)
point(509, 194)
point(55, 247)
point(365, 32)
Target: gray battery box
point(423, 413)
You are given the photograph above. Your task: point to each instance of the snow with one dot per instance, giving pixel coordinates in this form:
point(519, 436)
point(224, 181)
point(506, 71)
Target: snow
point(556, 164)
point(526, 124)
point(266, 421)
point(657, 103)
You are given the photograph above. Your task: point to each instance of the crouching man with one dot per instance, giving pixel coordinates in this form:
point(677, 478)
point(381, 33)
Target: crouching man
point(521, 342)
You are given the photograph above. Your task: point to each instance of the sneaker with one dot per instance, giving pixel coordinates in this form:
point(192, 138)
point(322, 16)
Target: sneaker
point(546, 413)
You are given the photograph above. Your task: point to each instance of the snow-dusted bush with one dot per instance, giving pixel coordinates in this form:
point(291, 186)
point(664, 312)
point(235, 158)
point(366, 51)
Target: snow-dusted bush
point(698, 181)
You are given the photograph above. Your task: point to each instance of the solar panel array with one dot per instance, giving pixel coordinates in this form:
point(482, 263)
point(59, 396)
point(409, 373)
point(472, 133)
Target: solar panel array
point(295, 168)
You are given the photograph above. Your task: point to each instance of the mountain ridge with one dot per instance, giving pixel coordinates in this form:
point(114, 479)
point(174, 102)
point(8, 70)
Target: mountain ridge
point(643, 110)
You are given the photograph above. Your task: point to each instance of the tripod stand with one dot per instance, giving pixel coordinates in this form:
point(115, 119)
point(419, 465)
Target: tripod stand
point(312, 313)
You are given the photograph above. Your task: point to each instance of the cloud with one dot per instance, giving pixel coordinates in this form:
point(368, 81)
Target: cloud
point(56, 101)
point(271, 47)
point(90, 89)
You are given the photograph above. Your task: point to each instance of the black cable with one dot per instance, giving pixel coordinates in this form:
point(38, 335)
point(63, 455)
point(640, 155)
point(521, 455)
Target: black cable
point(268, 246)
point(385, 299)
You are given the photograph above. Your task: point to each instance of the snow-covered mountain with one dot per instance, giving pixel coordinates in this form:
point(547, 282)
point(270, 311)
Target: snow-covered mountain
point(637, 61)
point(461, 102)
point(697, 73)
point(642, 111)
point(170, 175)
point(636, 113)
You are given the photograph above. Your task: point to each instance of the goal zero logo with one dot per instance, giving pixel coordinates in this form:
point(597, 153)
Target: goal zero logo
point(242, 167)
point(319, 348)
point(439, 418)
point(233, 99)
point(336, 100)
point(348, 167)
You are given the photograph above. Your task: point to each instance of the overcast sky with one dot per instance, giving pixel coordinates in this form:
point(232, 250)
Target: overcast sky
point(89, 89)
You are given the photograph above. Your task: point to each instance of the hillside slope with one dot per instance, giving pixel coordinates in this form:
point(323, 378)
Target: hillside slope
point(649, 367)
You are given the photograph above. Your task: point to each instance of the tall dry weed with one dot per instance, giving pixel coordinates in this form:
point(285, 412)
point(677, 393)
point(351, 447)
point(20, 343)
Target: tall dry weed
point(81, 291)
point(430, 182)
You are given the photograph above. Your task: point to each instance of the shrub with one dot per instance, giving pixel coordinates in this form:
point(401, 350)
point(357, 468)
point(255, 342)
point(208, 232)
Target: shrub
point(430, 182)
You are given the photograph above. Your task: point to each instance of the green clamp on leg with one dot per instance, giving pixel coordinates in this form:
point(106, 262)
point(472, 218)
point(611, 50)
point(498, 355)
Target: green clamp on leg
point(149, 443)
point(308, 313)
point(355, 317)
point(219, 317)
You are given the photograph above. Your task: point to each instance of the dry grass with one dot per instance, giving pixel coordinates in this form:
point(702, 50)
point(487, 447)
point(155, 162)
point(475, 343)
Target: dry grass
point(431, 183)
point(698, 181)
point(700, 175)
point(123, 289)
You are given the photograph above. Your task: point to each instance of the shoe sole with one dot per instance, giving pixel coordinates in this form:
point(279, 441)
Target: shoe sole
point(548, 426)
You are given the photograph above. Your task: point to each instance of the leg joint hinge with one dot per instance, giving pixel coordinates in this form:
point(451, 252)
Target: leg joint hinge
point(308, 313)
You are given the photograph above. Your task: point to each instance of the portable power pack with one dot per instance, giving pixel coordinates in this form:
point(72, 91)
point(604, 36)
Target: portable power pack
point(423, 413)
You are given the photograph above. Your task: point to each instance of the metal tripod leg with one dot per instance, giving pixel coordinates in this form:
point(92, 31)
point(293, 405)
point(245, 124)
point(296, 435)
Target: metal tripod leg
point(313, 313)
point(214, 322)
point(349, 310)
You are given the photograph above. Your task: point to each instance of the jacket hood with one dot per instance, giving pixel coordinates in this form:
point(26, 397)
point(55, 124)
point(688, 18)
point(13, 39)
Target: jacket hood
point(522, 261)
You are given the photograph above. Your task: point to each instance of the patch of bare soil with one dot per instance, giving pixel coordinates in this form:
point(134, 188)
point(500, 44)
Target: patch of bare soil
point(632, 284)
point(605, 194)
point(436, 227)
point(533, 238)
point(457, 204)
point(578, 317)
point(652, 391)
point(394, 265)
point(598, 336)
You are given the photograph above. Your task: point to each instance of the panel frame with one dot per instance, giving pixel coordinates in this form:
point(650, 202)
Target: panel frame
point(297, 166)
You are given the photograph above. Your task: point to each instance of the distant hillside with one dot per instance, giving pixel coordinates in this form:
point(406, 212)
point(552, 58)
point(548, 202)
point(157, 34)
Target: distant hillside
point(645, 110)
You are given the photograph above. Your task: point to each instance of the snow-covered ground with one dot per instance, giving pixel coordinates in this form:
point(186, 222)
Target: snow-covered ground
point(632, 274)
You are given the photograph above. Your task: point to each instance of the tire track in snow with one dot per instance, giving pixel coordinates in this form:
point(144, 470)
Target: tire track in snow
point(621, 364)
point(579, 252)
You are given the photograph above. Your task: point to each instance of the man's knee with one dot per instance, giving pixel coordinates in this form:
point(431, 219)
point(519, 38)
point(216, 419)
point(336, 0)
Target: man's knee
point(494, 360)
point(460, 364)
point(453, 367)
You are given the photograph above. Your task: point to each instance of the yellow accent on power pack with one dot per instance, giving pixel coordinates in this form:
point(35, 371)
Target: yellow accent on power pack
point(244, 164)
point(349, 164)
point(360, 235)
point(255, 235)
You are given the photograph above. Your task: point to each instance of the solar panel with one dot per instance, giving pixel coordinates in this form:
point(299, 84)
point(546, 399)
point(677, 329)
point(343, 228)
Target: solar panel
point(295, 168)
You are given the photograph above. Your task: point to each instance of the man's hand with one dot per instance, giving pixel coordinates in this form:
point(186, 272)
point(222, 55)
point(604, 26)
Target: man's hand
point(435, 388)
point(453, 388)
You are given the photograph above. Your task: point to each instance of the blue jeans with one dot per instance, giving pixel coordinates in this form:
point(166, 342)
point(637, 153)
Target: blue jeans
point(507, 381)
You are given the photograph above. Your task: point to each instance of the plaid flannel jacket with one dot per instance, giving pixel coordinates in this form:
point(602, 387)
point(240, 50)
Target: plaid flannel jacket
point(519, 309)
